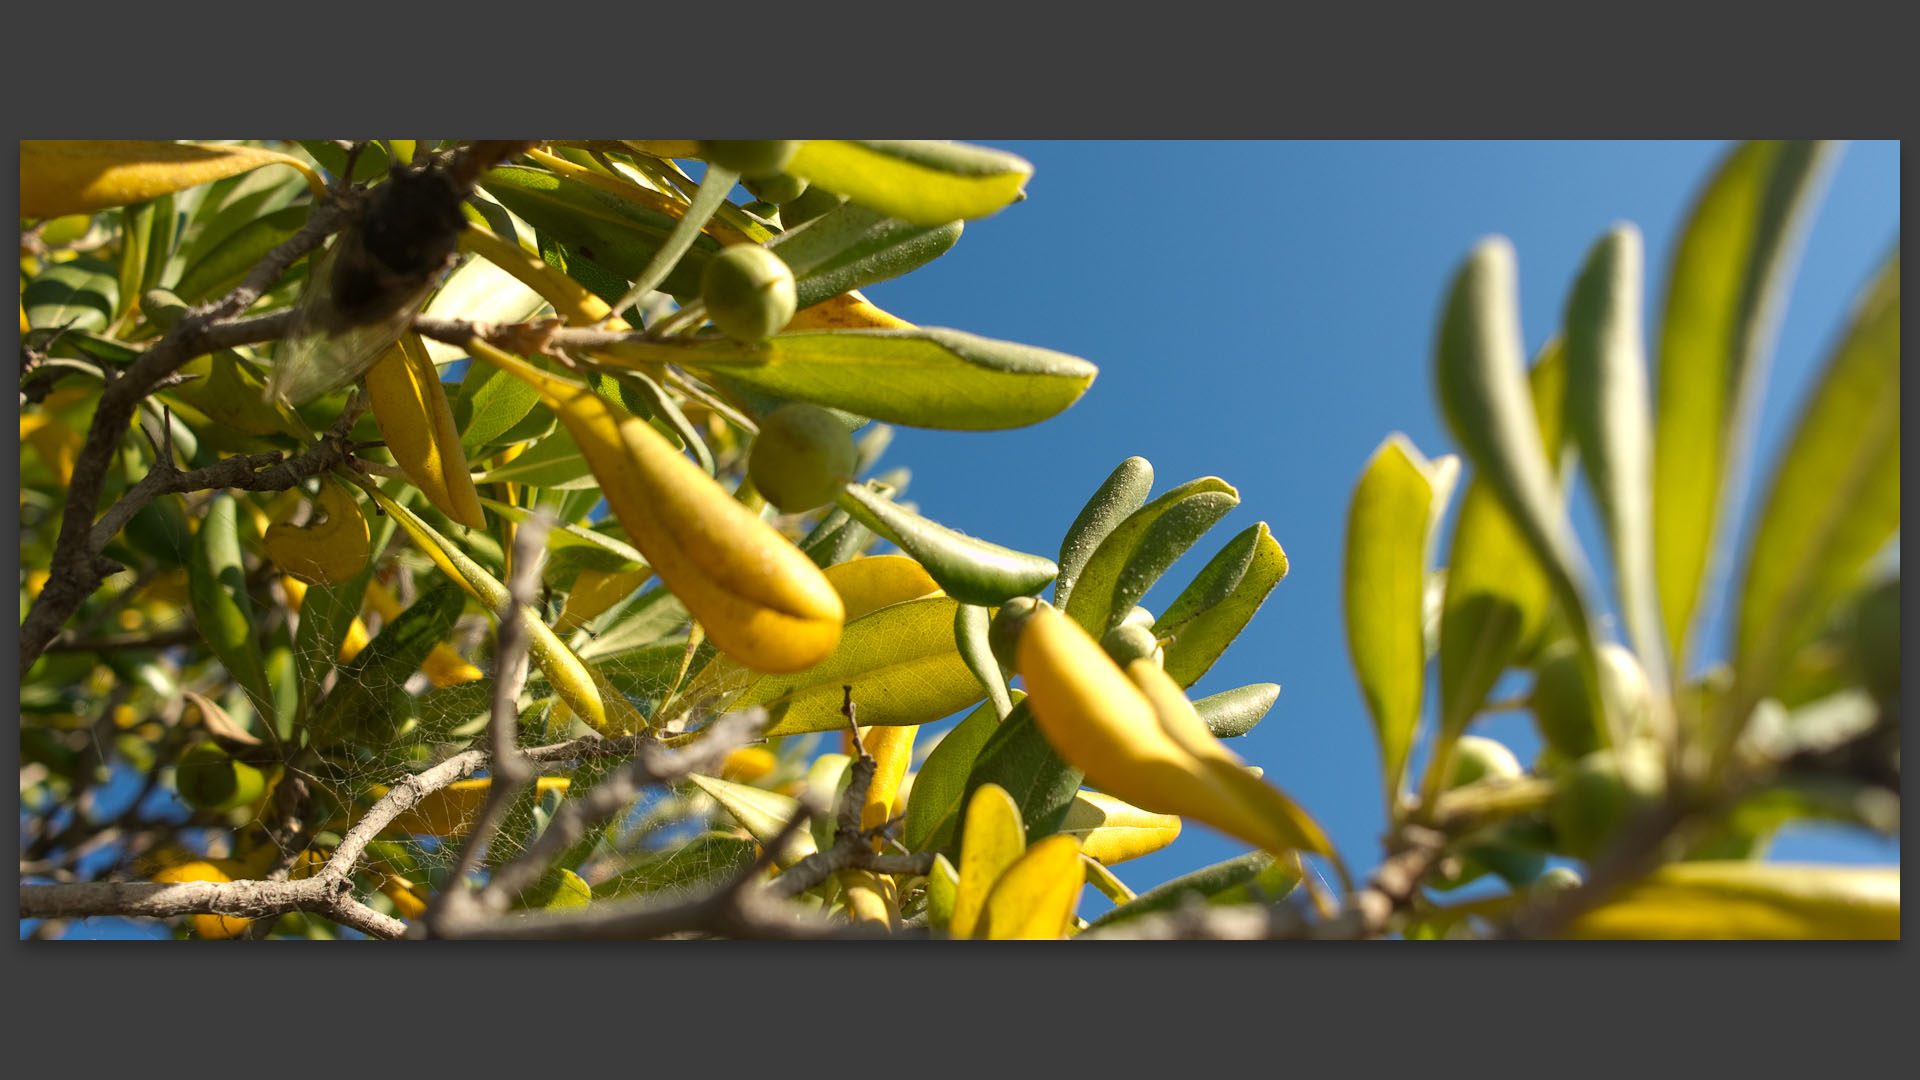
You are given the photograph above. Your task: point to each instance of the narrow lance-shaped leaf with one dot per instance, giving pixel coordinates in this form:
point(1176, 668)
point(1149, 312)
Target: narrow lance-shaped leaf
point(1484, 394)
point(1729, 272)
point(1123, 492)
point(1118, 566)
point(1256, 877)
point(853, 246)
point(1018, 759)
point(926, 376)
point(80, 176)
point(1751, 901)
point(364, 704)
point(1834, 501)
point(991, 840)
point(217, 591)
point(933, 805)
point(915, 180)
point(1607, 414)
point(971, 571)
point(1201, 626)
point(1232, 713)
point(1385, 582)
point(970, 625)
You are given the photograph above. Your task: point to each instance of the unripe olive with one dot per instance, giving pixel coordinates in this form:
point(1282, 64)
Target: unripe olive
point(751, 158)
point(207, 779)
point(779, 188)
point(1604, 792)
point(1139, 616)
point(810, 204)
point(1876, 640)
point(1003, 635)
point(1560, 704)
point(749, 292)
point(1476, 757)
point(802, 457)
point(1131, 641)
point(162, 308)
point(1557, 879)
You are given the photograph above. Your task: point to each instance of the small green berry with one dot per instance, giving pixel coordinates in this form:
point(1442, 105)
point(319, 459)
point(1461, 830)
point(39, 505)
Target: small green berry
point(780, 188)
point(802, 457)
point(752, 158)
point(749, 292)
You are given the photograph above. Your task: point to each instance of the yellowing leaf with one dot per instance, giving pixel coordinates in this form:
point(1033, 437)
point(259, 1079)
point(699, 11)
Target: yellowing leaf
point(925, 182)
point(80, 176)
point(990, 841)
point(1035, 898)
point(1752, 901)
point(1112, 831)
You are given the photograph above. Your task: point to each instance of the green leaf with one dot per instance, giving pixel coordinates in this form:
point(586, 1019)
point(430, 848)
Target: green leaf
point(619, 556)
point(653, 616)
point(1495, 598)
point(702, 863)
point(81, 293)
point(1140, 548)
point(1834, 501)
point(1751, 901)
point(222, 611)
point(481, 292)
point(971, 571)
point(1609, 418)
point(943, 887)
point(1244, 879)
point(136, 233)
point(915, 180)
point(1123, 492)
point(367, 702)
point(970, 625)
point(1018, 758)
point(223, 267)
point(853, 246)
point(1485, 395)
point(1234, 712)
point(1203, 635)
point(1385, 593)
point(326, 614)
point(761, 812)
point(836, 539)
point(900, 661)
point(927, 377)
point(934, 803)
point(554, 463)
point(1735, 256)
point(990, 841)
point(619, 235)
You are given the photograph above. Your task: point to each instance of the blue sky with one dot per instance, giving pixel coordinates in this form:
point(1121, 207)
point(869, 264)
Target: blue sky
point(1264, 312)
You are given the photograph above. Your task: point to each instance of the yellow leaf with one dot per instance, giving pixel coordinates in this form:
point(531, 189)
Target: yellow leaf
point(1751, 901)
point(1035, 898)
point(1112, 831)
point(80, 176)
point(991, 840)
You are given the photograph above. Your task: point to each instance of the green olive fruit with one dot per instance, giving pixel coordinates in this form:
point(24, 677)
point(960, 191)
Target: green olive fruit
point(1131, 641)
point(1602, 793)
point(754, 159)
point(749, 292)
point(802, 457)
point(780, 188)
point(810, 204)
point(1556, 879)
point(1559, 699)
point(1476, 757)
point(207, 779)
point(1139, 616)
point(162, 308)
point(1003, 634)
point(1876, 640)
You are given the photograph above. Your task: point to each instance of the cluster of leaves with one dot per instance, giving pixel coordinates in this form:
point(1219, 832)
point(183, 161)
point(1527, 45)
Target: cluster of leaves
point(264, 671)
point(1667, 777)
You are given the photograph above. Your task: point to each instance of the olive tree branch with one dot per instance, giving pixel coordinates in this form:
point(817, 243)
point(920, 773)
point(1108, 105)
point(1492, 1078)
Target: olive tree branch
point(77, 567)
